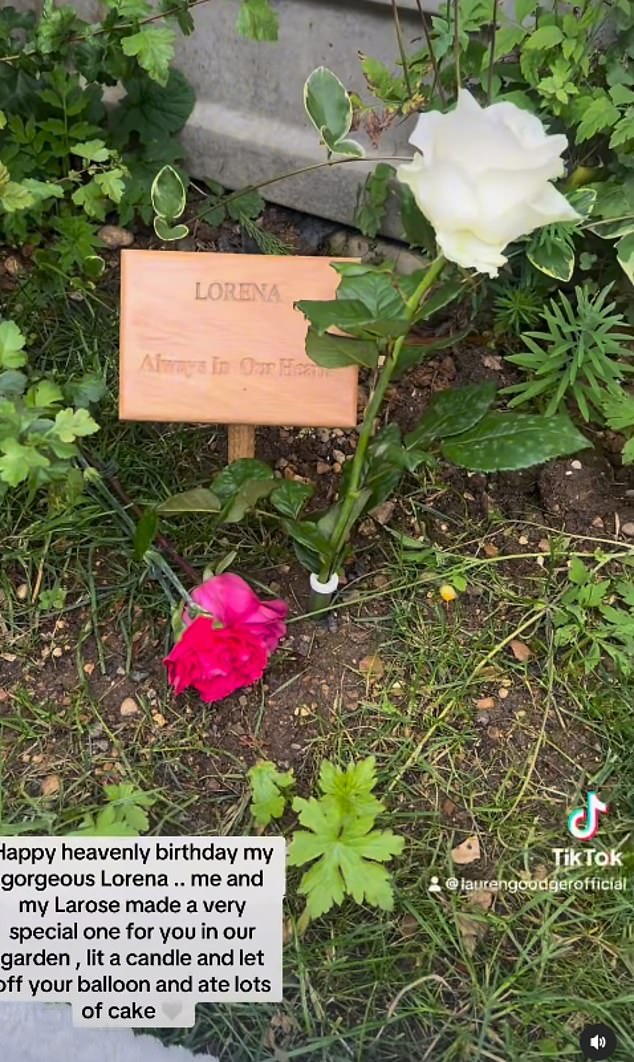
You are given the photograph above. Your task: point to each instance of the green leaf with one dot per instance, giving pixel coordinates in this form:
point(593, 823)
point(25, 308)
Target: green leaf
point(543, 38)
point(290, 497)
point(249, 205)
point(375, 289)
point(308, 534)
point(19, 461)
point(153, 47)
point(167, 232)
point(267, 782)
point(578, 573)
point(198, 500)
point(14, 196)
point(12, 341)
point(111, 183)
point(554, 259)
point(347, 147)
point(86, 390)
point(328, 105)
point(43, 394)
point(417, 229)
point(339, 834)
point(71, 424)
point(452, 412)
point(350, 315)
point(90, 198)
point(372, 200)
point(333, 352)
point(228, 482)
point(42, 190)
point(504, 442)
point(625, 256)
point(12, 383)
point(168, 193)
point(257, 20)
point(145, 533)
point(151, 110)
point(599, 114)
point(250, 493)
point(624, 130)
point(382, 83)
point(507, 39)
point(92, 151)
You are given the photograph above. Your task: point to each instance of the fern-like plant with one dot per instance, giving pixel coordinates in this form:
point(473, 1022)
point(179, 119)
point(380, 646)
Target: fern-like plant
point(580, 355)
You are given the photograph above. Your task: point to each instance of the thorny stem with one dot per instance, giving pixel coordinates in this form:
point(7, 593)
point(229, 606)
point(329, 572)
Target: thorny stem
point(432, 55)
point(493, 36)
point(293, 173)
point(341, 528)
point(401, 47)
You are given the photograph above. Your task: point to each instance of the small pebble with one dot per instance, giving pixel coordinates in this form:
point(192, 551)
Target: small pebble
point(576, 465)
point(482, 718)
point(485, 703)
point(503, 693)
point(128, 707)
point(57, 651)
point(628, 529)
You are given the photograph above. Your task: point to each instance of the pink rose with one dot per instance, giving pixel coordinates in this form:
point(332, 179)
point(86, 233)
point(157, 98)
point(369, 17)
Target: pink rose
point(216, 661)
point(230, 600)
point(229, 649)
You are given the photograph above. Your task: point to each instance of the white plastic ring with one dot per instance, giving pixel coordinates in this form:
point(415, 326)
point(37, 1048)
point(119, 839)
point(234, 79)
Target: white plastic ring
point(324, 588)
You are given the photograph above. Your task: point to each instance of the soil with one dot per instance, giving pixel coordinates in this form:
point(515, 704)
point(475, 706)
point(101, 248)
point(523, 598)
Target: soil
point(318, 675)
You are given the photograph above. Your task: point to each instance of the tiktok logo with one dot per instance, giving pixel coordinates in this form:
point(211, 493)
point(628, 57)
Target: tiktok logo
point(583, 823)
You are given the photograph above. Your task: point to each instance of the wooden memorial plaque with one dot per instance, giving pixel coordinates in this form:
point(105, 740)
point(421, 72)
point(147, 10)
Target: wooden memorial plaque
point(215, 338)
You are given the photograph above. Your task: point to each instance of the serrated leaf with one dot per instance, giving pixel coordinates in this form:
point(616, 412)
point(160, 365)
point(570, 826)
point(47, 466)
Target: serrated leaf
point(15, 196)
point(71, 424)
point(151, 110)
point(44, 393)
point(372, 201)
point(227, 483)
point(333, 352)
point(339, 834)
point(452, 412)
point(350, 315)
point(599, 114)
point(168, 194)
point(92, 150)
point(267, 782)
point(327, 105)
point(505, 442)
point(86, 390)
point(198, 500)
point(12, 341)
point(111, 183)
point(90, 198)
point(257, 20)
point(153, 48)
point(543, 38)
point(18, 461)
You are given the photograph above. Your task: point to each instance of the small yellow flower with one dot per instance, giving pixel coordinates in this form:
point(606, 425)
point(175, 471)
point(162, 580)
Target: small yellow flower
point(447, 592)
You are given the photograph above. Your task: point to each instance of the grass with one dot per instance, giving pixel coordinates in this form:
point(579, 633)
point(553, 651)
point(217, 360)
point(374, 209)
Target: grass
point(439, 977)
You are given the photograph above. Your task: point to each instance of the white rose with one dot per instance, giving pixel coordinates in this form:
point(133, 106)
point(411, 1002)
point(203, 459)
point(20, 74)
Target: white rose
point(483, 179)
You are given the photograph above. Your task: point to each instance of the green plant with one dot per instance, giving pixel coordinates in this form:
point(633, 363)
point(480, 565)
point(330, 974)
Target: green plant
point(618, 411)
point(39, 429)
point(595, 619)
point(68, 161)
point(579, 356)
point(124, 814)
point(516, 307)
point(340, 841)
point(267, 791)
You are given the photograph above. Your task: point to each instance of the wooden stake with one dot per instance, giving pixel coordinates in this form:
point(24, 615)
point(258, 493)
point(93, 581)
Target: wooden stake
point(241, 441)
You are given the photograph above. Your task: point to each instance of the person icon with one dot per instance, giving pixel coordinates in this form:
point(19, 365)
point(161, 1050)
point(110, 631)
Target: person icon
point(433, 885)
